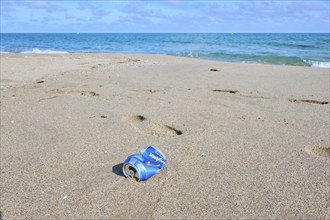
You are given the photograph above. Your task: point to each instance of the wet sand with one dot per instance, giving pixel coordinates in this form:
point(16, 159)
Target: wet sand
point(241, 140)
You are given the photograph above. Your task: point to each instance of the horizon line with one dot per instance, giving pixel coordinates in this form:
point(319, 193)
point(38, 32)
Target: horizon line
point(164, 32)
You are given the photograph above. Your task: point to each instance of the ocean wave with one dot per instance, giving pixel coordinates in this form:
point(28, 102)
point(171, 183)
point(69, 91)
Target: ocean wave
point(38, 51)
point(177, 41)
point(304, 46)
point(252, 58)
point(189, 54)
point(318, 64)
point(292, 45)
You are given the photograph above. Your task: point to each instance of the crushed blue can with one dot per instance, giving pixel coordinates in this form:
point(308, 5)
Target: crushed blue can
point(144, 165)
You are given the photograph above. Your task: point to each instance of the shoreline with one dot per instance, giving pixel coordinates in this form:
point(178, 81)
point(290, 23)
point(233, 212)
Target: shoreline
point(313, 64)
point(281, 49)
point(102, 56)
point(252, 140)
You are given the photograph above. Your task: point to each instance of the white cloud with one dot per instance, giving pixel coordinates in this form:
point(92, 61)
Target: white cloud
point(40, 5)
point(169, 15)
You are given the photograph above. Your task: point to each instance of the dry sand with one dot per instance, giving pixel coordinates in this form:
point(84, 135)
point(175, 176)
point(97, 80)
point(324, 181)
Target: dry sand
point(247, 141)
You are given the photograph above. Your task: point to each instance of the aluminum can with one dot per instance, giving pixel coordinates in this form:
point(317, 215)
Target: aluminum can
point(144, 165)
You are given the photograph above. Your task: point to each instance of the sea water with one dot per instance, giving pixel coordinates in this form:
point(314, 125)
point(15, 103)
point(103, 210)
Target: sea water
point(296, 49)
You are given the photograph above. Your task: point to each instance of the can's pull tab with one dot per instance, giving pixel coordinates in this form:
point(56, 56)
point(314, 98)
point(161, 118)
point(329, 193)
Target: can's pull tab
point(131, 172)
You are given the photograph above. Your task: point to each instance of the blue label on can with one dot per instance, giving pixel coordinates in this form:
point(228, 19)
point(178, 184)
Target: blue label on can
point(144, 165)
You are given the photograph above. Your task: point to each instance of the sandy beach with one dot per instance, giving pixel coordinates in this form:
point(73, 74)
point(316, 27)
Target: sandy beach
point(242, 140)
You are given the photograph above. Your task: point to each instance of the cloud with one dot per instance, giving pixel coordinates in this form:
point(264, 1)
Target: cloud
point(96, 10)
point(143, 9)
point(168, 15)
point(40, 5)
point(259, 16)
point(7, 8)
point(140, 15)
point(137, 7)
point(227, 16)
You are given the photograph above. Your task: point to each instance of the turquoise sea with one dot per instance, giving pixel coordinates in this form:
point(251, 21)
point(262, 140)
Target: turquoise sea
point(282, 49)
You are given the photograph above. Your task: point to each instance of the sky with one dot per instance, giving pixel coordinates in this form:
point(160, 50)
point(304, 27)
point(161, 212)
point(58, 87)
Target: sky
point(165, 16)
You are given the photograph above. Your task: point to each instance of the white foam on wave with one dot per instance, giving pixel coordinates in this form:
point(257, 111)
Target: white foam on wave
point(189, 54)
point(319, 64)
point(38, 51)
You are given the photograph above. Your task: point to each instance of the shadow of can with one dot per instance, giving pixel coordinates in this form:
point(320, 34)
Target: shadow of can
point(118, 169)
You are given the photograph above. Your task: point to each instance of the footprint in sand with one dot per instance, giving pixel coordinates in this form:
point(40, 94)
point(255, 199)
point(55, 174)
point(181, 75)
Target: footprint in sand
point(150, 90)
point(318, 151)
point(40, 81)
point(143, 125)
point(134, 118)
point(238, 93)
point(73, 92)
point(309, 101)
point(146, 90)
point(225, 91)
